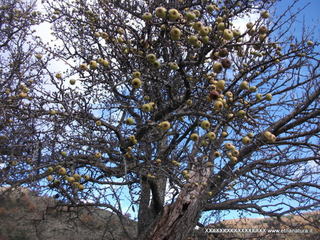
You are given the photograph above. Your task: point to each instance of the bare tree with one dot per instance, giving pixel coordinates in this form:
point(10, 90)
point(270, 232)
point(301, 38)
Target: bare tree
point(165, 105)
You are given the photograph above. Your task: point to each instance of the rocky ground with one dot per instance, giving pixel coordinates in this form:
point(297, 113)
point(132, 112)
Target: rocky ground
point(25, 216)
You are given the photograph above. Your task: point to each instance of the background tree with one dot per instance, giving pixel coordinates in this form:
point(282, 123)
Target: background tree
point(167, 107)
point(21, 73)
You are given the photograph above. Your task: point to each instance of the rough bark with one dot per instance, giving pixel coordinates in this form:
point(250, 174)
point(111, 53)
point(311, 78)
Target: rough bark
point(176, 221)
point(151, 202)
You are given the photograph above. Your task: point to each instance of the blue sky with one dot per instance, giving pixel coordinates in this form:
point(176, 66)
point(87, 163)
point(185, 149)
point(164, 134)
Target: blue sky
point(310, 18)
point(310, 15)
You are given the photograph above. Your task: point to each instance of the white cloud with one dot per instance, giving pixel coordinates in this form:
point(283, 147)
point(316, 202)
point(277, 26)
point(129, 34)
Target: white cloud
point(240, 23)
point(44, 31)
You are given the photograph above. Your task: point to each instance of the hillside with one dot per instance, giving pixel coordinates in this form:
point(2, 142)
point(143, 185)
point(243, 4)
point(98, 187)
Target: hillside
point(309, 222)
point(25, 216)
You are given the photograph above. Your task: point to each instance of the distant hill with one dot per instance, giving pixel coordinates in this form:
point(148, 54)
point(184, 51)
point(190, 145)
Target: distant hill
point(288, 220)
point(308, 223)
point(26, 216)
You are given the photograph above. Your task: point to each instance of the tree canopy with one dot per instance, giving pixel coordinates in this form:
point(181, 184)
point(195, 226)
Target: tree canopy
point(165, 107)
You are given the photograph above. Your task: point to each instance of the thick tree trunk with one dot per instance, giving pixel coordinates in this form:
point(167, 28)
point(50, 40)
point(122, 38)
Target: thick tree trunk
point(144, 214)
point(151, 202)
point(178, 220)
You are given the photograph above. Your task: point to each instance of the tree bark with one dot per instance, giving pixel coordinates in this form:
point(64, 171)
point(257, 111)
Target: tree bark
point(178, 220)
point(151, 202)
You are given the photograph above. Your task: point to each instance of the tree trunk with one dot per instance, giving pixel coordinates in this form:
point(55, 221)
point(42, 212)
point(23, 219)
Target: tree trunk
point(151, 202)
point(178, 220)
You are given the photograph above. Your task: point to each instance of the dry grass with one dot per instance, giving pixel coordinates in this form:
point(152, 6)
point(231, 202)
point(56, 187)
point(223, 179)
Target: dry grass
point(308, 221)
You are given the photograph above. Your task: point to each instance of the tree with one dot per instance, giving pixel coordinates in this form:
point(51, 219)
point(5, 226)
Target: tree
point(167, 104)
point(21, 71)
